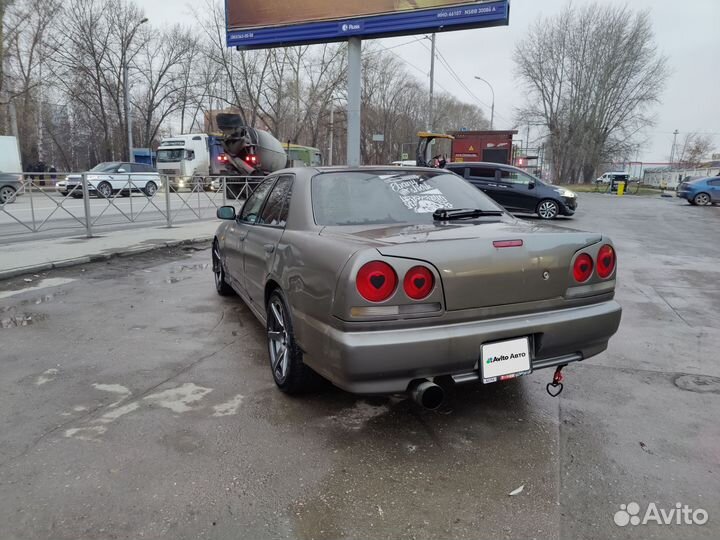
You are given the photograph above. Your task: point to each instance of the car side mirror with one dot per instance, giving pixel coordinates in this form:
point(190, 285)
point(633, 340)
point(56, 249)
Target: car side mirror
point(226, 212)
point(121, 170)
point(531, 185)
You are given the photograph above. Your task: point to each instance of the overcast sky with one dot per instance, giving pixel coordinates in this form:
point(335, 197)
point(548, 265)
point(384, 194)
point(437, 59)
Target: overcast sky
point(688, 32)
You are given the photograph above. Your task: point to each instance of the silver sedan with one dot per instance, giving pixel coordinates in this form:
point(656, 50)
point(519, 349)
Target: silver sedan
point(383, 280)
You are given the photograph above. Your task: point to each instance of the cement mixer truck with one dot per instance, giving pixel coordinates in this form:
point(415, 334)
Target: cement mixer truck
point(241, 151)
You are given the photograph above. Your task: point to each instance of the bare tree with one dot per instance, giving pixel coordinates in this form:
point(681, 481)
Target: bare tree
point(592, 75)
point(160, 64)
point(693, 150)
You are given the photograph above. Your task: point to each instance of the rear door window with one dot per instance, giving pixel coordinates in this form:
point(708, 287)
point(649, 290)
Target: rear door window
point(482, 173)
point(277, 206)
point(715, 183)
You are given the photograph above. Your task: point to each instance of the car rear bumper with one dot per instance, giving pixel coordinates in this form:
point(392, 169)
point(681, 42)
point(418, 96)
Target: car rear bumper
point(687, 195)
point(387, 361)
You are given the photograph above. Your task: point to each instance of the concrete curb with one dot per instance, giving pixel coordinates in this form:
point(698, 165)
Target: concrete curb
point(120, 252)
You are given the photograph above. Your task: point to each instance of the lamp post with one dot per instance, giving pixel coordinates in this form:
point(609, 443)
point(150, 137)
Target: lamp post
point(126, 86)
point(492, 108)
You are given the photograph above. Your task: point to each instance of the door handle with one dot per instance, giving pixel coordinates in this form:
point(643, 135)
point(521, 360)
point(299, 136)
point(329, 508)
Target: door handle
point(269, 248)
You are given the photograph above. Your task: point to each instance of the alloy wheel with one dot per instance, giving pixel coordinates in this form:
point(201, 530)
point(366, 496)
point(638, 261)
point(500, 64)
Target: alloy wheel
point(278, 340)
point(105, 190)
point(217, 267)
point(7, 195)
point(548, 209)
point(702, 199)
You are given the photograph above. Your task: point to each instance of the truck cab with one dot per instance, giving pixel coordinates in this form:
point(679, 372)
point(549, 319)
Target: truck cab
point(185, 160)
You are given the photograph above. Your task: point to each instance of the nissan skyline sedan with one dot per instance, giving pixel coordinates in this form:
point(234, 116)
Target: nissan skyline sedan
point(389, 280)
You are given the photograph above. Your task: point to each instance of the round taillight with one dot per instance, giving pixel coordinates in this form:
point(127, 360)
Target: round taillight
point(605, 261)
point(376, 281)
point(582, 270)
point(418, 282)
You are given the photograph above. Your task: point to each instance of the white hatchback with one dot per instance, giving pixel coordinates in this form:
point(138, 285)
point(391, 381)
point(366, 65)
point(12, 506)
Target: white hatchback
point(109, 178)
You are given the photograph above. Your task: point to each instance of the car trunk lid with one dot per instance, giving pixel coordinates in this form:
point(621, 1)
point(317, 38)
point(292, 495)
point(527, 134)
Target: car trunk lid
point(475, 271)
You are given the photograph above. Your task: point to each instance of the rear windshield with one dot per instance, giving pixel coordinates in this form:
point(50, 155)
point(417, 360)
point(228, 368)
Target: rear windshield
point(377, 197)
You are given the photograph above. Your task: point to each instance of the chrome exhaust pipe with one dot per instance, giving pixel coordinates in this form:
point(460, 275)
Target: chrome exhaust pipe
point(427, 394)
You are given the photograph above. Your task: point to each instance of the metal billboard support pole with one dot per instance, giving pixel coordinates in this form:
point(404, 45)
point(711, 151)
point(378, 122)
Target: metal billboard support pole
point(332, 133)
point(432, 83)
point(354, 97)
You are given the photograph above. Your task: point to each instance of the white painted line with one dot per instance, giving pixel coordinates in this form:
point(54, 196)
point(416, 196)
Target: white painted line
point(44, 284)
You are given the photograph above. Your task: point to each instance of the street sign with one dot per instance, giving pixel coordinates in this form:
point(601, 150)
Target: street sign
point(404, 156)
point(378, 137)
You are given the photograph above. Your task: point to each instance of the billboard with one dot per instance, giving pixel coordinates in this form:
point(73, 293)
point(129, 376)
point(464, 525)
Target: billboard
point(273, 23)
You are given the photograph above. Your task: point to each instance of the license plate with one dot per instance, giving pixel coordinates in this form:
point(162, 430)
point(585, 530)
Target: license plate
point(504, 360)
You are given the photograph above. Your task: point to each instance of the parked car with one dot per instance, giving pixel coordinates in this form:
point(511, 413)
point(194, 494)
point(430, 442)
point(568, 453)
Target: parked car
point(700, 191)
point(109, 178)
point(381, 278)
point(9, 186)
point(517, 191)
point(613, 177)
point(404, 163)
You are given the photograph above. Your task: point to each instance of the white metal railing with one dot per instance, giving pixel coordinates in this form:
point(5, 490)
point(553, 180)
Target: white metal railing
point(51, 201)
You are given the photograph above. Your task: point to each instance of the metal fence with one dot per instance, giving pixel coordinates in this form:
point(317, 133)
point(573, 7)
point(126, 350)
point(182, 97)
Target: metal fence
point(36, 203)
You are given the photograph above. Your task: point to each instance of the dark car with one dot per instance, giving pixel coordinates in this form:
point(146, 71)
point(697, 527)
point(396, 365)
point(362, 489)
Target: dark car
point(700, 191)
point(517, 191)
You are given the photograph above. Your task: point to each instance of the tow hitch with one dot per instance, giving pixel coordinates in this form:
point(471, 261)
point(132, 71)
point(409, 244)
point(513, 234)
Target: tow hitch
point(555, 387)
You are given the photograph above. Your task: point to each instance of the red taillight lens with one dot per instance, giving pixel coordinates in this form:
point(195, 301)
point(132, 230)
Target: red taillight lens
point(376, 281)
point(605, 261)
point(251, 158)
point(222, 158)
point(418, 282)
point(582, 270)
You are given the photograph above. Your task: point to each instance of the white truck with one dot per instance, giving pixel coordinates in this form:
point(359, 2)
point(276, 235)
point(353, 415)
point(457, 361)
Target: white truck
point(11, 180)
point(10, 155)
point(185, 160)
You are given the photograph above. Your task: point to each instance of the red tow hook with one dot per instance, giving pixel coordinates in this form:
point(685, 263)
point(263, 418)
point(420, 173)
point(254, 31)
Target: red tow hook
point(556, 386)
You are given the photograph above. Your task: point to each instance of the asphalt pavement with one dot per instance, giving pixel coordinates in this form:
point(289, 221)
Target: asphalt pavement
point(136, 403)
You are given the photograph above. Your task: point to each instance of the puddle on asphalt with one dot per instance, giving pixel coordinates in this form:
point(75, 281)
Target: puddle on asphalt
point(174, 279)
point(184, 269)
point(17, 319)
point(702, 384)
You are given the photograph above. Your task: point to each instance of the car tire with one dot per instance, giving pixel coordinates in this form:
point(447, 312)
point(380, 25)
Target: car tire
point(701, 199)
point(104, 190)
point(150, 189)
point(221, 286)
point(548, 209)
point(289, 372)
point(7, 195)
